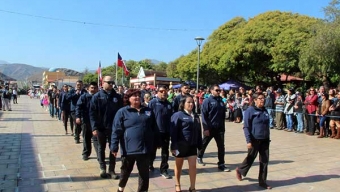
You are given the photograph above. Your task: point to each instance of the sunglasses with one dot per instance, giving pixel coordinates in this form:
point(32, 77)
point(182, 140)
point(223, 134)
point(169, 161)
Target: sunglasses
point(218, 90)
point(161, 91)
point(110, 82)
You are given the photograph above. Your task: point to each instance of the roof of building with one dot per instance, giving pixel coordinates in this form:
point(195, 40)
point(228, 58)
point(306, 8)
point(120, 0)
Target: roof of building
point(158, 73)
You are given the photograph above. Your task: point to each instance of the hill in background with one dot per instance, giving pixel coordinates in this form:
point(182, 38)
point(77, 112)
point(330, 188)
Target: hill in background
point(21, 71)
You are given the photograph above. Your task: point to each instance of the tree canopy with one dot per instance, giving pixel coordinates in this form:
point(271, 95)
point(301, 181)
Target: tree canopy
point(254, 50)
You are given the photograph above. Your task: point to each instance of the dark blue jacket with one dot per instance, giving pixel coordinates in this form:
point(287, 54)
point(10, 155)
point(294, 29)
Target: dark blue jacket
point(256, 124)
point(135, 130)
point(143, 92)
point(184, 127)
point(65, 103)
point(73, 97)
point(103, 108)
point(83, 106)
point(163, 112)
point(175, 103)
point(213, 113)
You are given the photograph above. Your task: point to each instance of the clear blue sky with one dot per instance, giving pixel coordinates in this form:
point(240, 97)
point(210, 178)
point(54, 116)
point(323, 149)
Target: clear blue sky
point(49, 43)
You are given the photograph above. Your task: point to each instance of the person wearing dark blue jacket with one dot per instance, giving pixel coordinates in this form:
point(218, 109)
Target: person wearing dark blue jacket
point(213, 121)
point(136, 131)
point(186, 139)
point(83, 119)
point(185, 90)
point(162, 109)
point(65, 106)
point(257, 133)
point(103, 108)
point(73, 96)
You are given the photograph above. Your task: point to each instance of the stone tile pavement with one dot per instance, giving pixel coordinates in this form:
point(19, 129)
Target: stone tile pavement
point(35, 156)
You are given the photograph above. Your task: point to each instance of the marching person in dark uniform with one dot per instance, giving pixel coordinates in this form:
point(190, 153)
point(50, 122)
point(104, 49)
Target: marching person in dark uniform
point(103, 108)
point(83, 119)
point(73, 97)
point(65, 107)
point(213, 120)
point(186, 139)
point(143, 91)
point(163, 110)
point(257, 132)
point(135, 129)
point(185, 90)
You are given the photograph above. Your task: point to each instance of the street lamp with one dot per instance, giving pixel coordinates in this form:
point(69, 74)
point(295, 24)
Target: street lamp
point(199, 43)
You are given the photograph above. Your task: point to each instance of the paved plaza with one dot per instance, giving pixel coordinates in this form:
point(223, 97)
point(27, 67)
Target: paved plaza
point(36, 155)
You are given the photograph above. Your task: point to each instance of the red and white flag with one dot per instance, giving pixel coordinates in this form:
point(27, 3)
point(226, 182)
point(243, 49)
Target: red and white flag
point(121, 63)
point(99, 72)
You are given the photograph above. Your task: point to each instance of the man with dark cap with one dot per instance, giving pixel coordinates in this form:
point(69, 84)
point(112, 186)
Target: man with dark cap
point(103, 108)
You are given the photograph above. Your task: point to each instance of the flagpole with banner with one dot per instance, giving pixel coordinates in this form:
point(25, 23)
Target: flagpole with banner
point(120, 63)
point(99, 71)
point(117, 72)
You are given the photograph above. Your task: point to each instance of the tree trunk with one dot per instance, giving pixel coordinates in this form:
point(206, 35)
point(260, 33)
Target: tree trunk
point(325, 83)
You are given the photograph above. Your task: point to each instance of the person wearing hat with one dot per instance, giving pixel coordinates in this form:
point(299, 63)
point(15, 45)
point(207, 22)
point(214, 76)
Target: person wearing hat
point(279, 107)
point(321, 113)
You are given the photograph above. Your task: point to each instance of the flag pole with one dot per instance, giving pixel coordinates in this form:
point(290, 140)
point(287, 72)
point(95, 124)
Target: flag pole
point(122, 75)
point(98, 75)
point(117, 71)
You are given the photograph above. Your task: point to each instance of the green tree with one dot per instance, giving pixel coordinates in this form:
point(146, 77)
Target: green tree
point(320, 58)
point(90, 77)
point(160, 66)
point(253, 51)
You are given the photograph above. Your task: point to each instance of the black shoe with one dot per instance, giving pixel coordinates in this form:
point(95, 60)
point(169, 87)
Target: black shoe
point(85, 158)
point(200, 161)
point(224, 168)
point(166, 175)
point(113, 175)
point(77, 141)
point(103, 174)
point(151, 168)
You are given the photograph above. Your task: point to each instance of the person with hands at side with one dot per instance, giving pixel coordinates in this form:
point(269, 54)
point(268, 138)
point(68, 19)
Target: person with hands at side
point(257, 133)
point(103, 108)
point(186, 139)
point(311, 103)
point(162, 109)
point(321, 113)
point(213, 120)
point(83, 119)
point(135, 129)
point(72, 96)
